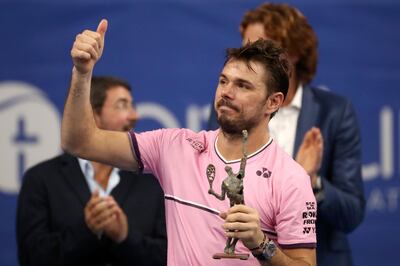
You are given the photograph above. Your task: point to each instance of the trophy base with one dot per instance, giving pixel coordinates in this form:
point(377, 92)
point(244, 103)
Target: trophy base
point(241, 256)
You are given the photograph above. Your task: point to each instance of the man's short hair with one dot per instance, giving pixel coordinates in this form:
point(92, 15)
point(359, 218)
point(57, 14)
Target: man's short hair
point(99, 88)
point(290, 28)
point(271, 56)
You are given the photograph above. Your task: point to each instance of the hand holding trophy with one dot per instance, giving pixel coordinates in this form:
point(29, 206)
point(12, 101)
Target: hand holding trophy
point(232, 187)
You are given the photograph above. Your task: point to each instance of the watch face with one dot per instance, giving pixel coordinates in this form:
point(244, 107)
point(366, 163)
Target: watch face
point(269, 249)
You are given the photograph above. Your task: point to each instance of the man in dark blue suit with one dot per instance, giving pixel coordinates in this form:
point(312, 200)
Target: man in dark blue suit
point(75, 212)
point(318, 128)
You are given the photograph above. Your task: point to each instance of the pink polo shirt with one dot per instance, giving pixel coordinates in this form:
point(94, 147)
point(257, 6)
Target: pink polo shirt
point(274, 184)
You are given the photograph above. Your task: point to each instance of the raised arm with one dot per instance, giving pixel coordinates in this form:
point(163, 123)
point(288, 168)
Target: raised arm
point(223, 192)
point(79, 133)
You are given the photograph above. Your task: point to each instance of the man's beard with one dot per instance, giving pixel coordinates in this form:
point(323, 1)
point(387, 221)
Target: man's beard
point(234, 127)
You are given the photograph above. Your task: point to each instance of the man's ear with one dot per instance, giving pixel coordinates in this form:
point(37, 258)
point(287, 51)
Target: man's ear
point(96, 118)
point(274, 102)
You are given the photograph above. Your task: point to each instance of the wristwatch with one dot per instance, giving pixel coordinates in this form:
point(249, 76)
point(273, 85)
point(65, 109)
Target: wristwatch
point(266, 251)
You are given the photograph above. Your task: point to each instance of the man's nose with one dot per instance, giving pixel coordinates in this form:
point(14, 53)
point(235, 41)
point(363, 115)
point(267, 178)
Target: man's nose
point(133, 115)
point(228, 90)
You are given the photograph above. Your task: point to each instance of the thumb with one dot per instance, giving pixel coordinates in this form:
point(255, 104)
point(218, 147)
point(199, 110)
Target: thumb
point(102, 27)
point(307, 138)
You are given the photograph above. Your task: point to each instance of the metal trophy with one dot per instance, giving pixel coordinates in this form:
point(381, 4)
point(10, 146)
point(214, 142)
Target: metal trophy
point(232, 187)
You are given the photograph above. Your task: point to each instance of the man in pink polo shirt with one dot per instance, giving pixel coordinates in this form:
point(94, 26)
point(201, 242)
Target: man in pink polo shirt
point(276, 224)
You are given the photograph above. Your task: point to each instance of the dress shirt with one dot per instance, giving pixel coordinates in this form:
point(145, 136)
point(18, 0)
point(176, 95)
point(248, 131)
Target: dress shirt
point(282, 126)
point(88, 172)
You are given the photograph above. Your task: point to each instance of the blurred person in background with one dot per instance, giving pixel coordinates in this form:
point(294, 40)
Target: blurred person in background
point(76, 212)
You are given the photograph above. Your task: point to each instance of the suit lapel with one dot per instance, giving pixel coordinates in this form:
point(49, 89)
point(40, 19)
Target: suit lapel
point(73, 175)
point(308, 117)
point(121, 191)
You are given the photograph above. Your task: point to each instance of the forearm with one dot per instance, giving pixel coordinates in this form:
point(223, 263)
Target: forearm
point(281, 259)
point(269, 253)
point(78, 122)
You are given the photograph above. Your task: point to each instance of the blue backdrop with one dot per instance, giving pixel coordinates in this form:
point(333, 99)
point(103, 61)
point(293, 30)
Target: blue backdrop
point(172, 52)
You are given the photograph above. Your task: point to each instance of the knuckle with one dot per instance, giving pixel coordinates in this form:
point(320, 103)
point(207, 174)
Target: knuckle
point(76, 45)
point(97, 36)
point(93, 43)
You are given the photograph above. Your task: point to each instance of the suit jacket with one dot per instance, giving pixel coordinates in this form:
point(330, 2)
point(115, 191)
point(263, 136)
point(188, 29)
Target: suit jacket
point(342, 208)
point(50, 219)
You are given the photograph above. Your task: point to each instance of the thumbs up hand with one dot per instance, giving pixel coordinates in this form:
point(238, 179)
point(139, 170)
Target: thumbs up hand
point(88, 48)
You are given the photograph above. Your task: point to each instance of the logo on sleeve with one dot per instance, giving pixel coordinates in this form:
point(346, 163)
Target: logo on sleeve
point(310, 205)
point(309, 218)
point(197, 145)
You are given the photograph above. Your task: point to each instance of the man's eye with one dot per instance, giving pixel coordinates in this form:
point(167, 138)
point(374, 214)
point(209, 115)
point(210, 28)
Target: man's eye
point(122, 105)
point(241, 85)
point(222, 81)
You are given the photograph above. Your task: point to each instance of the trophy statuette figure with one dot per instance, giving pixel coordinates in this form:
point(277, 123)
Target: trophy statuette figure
point(232, 187)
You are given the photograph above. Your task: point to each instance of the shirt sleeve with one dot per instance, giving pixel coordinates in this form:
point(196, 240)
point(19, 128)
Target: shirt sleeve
point(297, 213)
point(150, 148)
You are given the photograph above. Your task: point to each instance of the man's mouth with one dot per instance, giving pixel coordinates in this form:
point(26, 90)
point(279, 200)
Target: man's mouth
point(224, 104)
